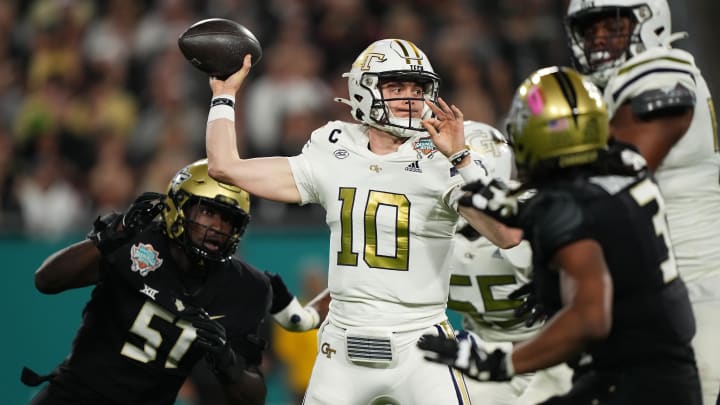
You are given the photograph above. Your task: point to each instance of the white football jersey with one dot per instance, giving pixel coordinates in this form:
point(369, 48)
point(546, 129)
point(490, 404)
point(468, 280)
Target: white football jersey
point(689, 174)
point(391, 220)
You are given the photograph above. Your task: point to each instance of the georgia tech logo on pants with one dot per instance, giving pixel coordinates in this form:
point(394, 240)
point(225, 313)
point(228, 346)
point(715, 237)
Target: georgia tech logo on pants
point(327, 350)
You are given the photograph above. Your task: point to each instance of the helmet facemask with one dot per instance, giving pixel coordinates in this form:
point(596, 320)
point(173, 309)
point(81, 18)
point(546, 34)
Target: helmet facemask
point(381, 112)
point(205, 241)
point(599, 55)
point(193, 202)
point(651, 28)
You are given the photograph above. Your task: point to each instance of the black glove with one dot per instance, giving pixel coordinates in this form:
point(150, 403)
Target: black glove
point(281, 294)
point(112, 230)
point(465, 354)
point(530, 309)
point(495, 199)
point(143, 210)
point(212, 338)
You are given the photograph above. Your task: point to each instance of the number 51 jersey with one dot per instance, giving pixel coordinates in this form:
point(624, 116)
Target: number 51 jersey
point(391, 220)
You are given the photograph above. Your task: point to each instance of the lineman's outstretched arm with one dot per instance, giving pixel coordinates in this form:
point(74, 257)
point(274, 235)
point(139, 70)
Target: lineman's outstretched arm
point(75, 266)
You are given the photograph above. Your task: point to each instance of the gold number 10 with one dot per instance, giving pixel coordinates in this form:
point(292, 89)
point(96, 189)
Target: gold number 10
point(346, 257)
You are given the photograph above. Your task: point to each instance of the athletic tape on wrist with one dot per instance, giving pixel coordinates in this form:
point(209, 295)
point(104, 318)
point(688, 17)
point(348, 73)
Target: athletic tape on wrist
point(222, 106)
point(295, 317)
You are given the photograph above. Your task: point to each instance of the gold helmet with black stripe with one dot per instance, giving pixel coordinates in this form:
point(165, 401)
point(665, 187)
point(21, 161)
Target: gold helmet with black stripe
point(193, 186)
point(558, 119)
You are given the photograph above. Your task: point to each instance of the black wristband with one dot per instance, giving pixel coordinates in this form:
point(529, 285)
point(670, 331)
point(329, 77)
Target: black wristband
point(458, 157)
point(222, 101)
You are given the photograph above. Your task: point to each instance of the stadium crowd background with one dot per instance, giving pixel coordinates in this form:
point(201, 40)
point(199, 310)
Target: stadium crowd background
point(97, 103)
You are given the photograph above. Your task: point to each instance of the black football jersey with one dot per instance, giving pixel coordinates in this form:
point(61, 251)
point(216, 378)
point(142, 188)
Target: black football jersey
point(651, 313)
point(132, 348)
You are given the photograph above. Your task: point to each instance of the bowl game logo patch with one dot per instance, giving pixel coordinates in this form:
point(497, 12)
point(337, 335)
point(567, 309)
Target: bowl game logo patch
point(144, 258)
point(424, 146)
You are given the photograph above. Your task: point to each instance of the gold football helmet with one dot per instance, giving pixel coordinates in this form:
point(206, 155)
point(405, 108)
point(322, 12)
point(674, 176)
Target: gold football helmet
point(558, 119)
point(192, 185)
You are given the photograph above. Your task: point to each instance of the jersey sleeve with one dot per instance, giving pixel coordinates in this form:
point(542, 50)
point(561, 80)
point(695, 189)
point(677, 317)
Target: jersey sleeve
point(658, 69)
point(303, 166)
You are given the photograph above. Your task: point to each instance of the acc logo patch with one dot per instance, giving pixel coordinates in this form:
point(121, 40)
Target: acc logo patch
point(144, 258)
point(341, 153)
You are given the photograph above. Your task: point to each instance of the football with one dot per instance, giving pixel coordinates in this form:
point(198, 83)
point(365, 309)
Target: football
point(218, 46)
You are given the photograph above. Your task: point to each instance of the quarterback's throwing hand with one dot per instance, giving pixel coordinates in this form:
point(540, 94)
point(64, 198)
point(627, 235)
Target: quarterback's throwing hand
point(465, 354)
point(232, 84)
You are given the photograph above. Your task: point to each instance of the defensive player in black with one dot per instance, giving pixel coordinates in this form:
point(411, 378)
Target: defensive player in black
point(603, 265)
point(167, 293)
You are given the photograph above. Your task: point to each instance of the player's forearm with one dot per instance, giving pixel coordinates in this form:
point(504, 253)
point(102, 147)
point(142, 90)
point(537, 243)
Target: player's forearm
point(221, 147)
point(586, 317)
point(559, 340)
point(75, 266)
point(499, 234)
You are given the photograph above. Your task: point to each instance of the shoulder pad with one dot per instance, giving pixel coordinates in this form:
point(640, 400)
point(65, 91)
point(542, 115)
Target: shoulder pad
point(657, 69)
point(336, 133)
point(658, 101)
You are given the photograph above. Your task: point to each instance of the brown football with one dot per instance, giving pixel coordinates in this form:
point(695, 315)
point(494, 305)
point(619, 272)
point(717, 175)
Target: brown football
point(218, 46)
